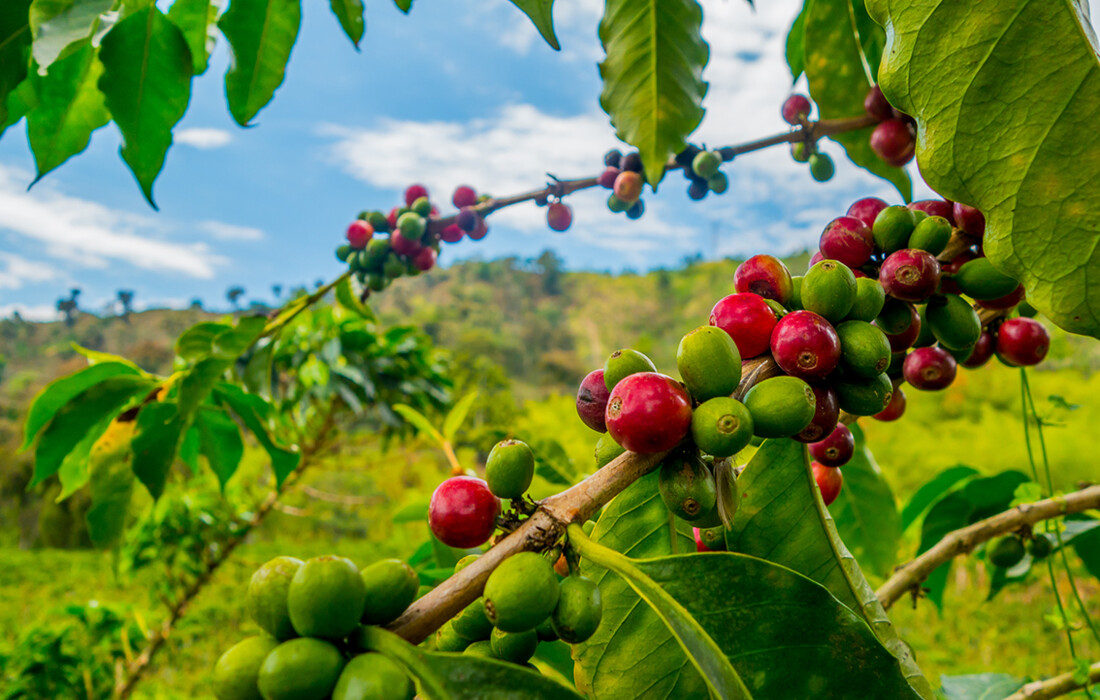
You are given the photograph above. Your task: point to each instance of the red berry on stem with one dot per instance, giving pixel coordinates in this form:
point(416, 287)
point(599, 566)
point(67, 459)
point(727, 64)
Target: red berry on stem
point(867, 209)
point(847, 240)
point(404, 246)
point(910, 274)
point(424, 259)
point(749, 321)
point(1023, 341)
point(826, 414)
point(648, 412)
point(764, 275)
point(934, 207)
point(559, 216)
point(829, 480)
point(607, 178)
point(391, 218)
point(875, 104)
point(816, 258)
point(795, 109)
point(894, 142)
point(894, 409)
point(805, 345)
point(359, 233)
point(464, 196)
point(481, 231)
point(592, 398)
point(628, 186)
point(1008, 301)
point(969, 220)
point(413, 193)
point(836, 449)
point(463, 512)
point(983, 350)
point(451, 233)
point(929, 369)
point(467, 219)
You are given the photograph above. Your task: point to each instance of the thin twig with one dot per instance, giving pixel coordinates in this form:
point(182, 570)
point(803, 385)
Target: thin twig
point(1055, 687)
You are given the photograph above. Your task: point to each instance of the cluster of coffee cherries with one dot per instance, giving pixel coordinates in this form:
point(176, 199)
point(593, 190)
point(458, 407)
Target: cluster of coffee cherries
point(1008, 551)
point(383, 247)
point(895, 138)
point(311, 614)
point(528, 598)
point(796, 112)
point(622, 175)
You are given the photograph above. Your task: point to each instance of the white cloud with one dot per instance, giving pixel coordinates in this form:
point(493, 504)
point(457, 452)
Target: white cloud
point(230, 232)
point(88, 234)
point(15, 271)
point(36, 312)
point(203, 139)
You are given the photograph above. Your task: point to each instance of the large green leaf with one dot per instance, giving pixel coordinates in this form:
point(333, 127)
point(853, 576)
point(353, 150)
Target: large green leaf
point(220, 442)
point(255, 413)
point(156, 444)
point(82, 413)
point(1087, 547)
point(70, 107)
point(262, 34)
point(783, 519)
point(111, 486)
point(74, 470)
point(195, 19)
point(61, 391)
point(796, 53)
point(865, 512)
point(147, 82)
point(1018, 107)
point(57, 24)
point(553, 463)
point(632, 654)
point(348, 299)
point(932, 491)
point(981, 686)
point(232, 342)
point(15, 44)
point(841, 47)
point(350, 15)
point(785, 634)
point(442, 676)
point(457, 415)
point(198, 382)
point(197, 341)
point(541, 13)
point(653, 75)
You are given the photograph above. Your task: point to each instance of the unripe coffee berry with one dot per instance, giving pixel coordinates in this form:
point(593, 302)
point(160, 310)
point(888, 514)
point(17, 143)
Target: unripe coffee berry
point(521, 592)
point(509, 469)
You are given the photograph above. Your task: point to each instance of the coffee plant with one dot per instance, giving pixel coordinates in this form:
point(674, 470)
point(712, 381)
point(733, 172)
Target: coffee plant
point(708, 549)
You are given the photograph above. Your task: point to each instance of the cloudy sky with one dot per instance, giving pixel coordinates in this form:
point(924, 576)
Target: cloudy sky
point(457, 92)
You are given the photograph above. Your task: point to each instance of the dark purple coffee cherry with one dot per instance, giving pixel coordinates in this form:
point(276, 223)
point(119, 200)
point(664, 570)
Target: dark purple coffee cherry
point(836, 449)
point(930, 368)
point(910, 274)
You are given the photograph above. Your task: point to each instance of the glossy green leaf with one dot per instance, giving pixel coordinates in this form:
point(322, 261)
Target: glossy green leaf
point(653, 76)
point(82, 413)
point(1087, 548)
point(541, 13)
point(58, 24)
point(15, 45)
point(796, 55)
point(412, 513)
point(147, 83)
point(933, 491)
point(20, 101)
point(999, 577)
point(156, 444)
point(457, 415)
point(190, 447)
point(419, 421)
point(348, 299)
point(254, 412)
point(632, 654)
point(262, 34)
point(865, 512)
point(61, 391)
point(1020, 103)
point(233, 342)
point(73, 473)
point(70, 107)
point(840, 60)
point(96, 357)
point(111, 483)
point(220, 442)
point(198, 341)
point(350, 15)
point(553, 463)
point(404, 5)
point(257, 376)
point(197, 383)
point(444, 676)
point(195, 18)
point(980, 686)
point(783, 519)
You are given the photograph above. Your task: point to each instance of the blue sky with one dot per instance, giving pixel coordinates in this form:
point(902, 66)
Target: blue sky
point(456, 92)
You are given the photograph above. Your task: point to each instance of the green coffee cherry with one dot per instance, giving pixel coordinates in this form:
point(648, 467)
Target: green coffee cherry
point(546, 632)
point(931, 234)
point(1026, 310)
point(864, 397)
point(446, 639)
point(978, 279)
point(687, 486)
point(829, 290)
point(800, 152)
point(343, 252)
point(864, 349)
point(794, 303)
point(372, 677)
point(821, 167)
point(411, 225)
point(706, 163)
point(326, 598)
point(718, 183)
point(373, 257)
point(377, 283)
point(780, 406)
point(521, 592)
point(510, 468)
point(301, 669)
point(378, 221)
point(721, 426)
point(709, 363)
point(624, 363)
point(1040, 547)
point(472, 624)
point(393, 268)
point(237, 671)
point(925, 337)
point(267, 596)
point(895, 317)
point(579, 610)
point(954, 322)
point(617, 205)
point(606, 450)
point(1006, 552)
point(870, 299)
point(422, 207)
point(714, 538)
point(516, 647)
point(482, 648)
point(892, 228)
point(465, 561)
point(391, 586)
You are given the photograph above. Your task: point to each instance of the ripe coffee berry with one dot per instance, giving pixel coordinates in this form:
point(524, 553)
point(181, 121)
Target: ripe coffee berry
point(805, 345)
point(749, 321)
point(764, 275)
point(359, 234)
point(632, 161)
point(893, 141)
point(847, 240)
point(628, 186)
point(982, 351)
point(866, 210)
point(829, 480)
point(463, 512)
point(467, 219)
point(648, 412)
point(592, 398)
point(934, 207)
point(401, 245)
point(424, 259)
point(836, 449)
point(559, 216)
point(451, 233)
point(1022, 341)
point(607, 178)
point(910, 274)
point(826, 414)
point(969, 219)
point(613, 158)
point(894, 409)
point(413, 193)
point(480, 231)
point(875, 104)
point(929, 369)
point(795, 109)
point(464, 196)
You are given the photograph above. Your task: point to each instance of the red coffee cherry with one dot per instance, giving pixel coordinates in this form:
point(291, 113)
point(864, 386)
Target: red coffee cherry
point(559, 216)
point(848, 240)
point(359, 234)
point(1023, 341)
point(829, 480)
point(875, 104)
point(648, 412)
point(464, 196)
point(826, 414)
point(867, 209)
point(451, 233)
point(795, 108)
point(837, 449)
point(425, 259)
point(929, 369)
point(983, 350)
point(910, 274)
point(969, 220)
point(749, 321)
point(895, 409)
point(592, 398)
point(805, 345)
point(935, 207)
point(463, 512)
point(415, 192)
point(894, 142)
point(764, 275)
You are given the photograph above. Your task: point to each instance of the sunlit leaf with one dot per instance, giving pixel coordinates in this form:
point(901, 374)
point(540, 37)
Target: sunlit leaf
point(981, 686)
point(932, 491)
point(195, 19)
point(220, 442)
point(111, 484)
point(541, 13)
point(58, 24)
point(156, 444)
point(457, 415)
point(419, 421)
point(61, 391)
point(262, 34)
point(865, 512)
point(350, 15)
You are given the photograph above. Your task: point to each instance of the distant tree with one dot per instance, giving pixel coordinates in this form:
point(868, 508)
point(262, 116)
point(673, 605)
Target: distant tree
point(234, 295)
point(196, 304)
point(69, 307)
point(126, 301)
point(550, 269)
point(277, 290)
